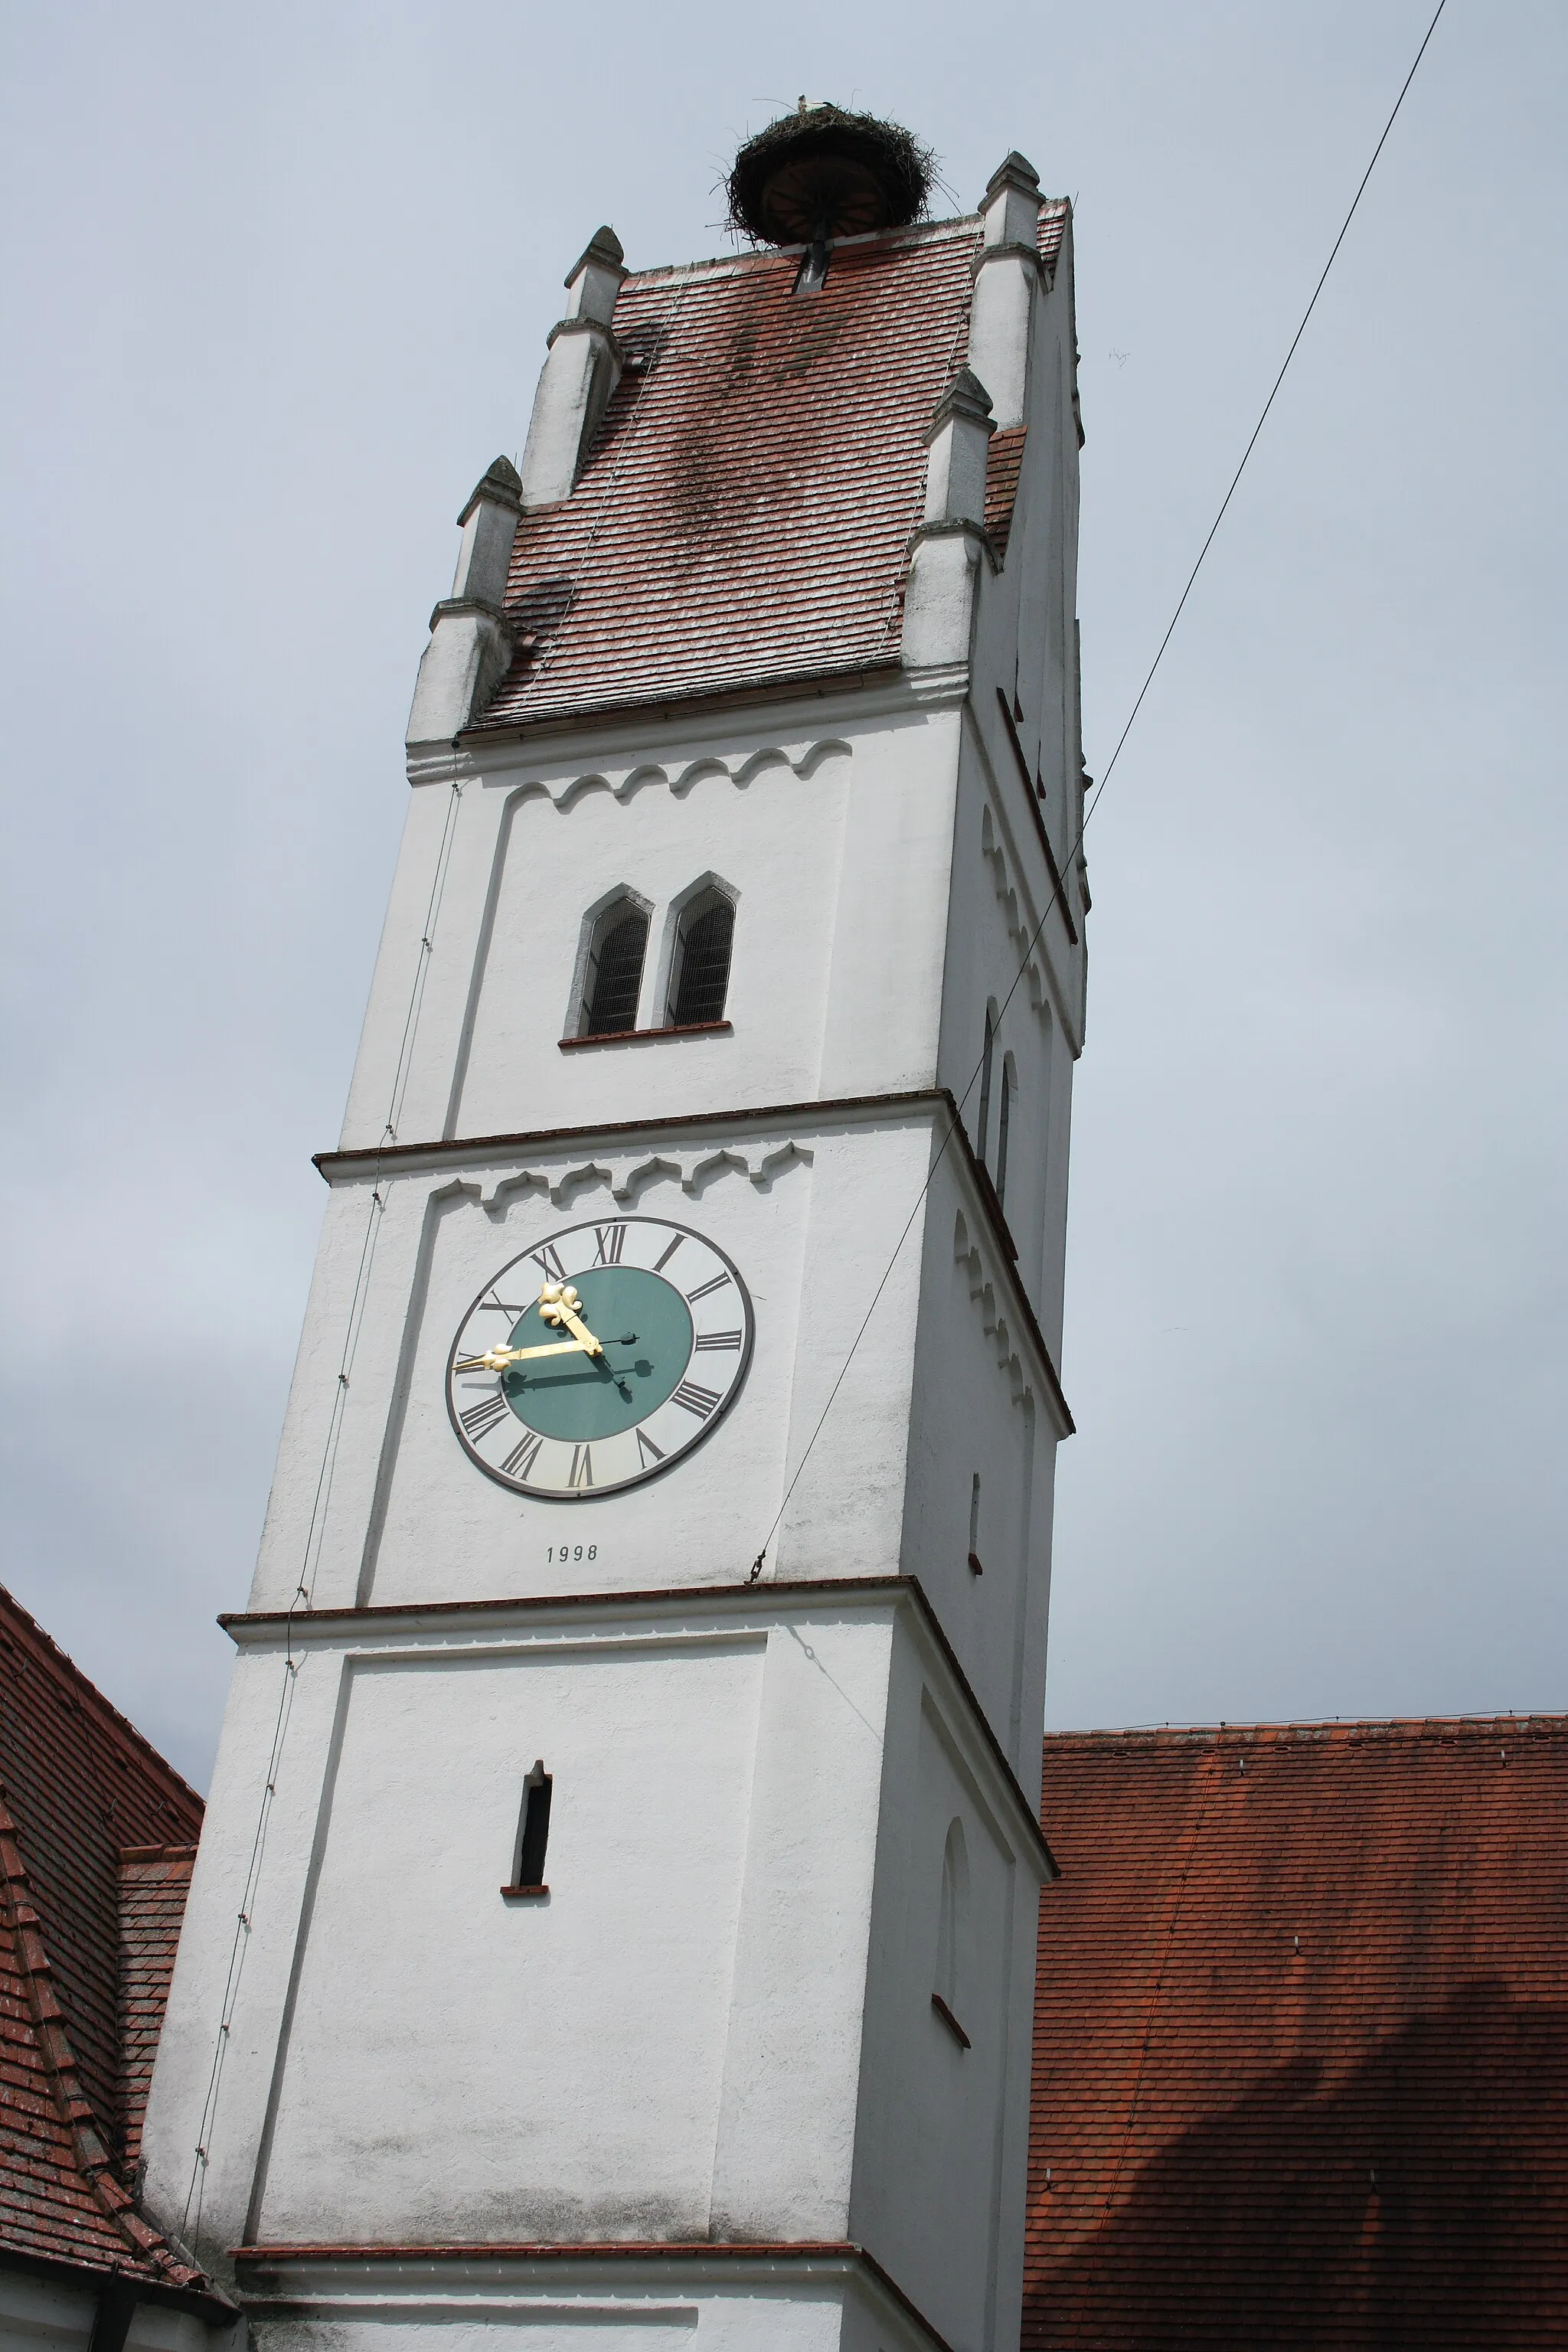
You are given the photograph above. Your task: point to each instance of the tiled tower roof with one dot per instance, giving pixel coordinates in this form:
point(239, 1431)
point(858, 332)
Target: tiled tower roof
point(1301, 2040)
point(745, 514)
point(88, 1931)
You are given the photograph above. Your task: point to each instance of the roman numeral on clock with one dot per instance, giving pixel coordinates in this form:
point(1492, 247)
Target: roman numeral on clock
point(582, 1466)
point(703, 1289)
point(522, 1457)
point(482, 1417)
point(548, 1261)
point(719, 1339)
point(661, 1263)
point(696, 1400)
point(647, 1449)
point(611, 1241)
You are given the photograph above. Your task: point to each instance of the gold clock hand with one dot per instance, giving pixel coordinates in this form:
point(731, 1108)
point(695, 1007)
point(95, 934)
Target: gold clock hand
point(496, 1359)
point(558, 1303)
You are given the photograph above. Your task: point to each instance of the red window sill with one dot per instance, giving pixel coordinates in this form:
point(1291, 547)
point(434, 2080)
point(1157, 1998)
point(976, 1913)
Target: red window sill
point(521, 1894)
point(646, 1036)
point(950, 2021)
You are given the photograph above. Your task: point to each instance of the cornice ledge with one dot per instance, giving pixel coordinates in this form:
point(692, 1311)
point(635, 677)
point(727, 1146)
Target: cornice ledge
point(721, 2256)
point(254, 1629)
point(1013, 250)
point(370, 1158)
point(583, 325)
point(957, 526)
point(870, 677)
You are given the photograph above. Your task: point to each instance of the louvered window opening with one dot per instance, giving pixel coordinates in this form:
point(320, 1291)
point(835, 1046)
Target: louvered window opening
point(705, 966)
point(618, 978)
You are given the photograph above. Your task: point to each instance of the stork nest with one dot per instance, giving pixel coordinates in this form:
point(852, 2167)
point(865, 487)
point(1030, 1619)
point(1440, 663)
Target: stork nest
point(823, 172)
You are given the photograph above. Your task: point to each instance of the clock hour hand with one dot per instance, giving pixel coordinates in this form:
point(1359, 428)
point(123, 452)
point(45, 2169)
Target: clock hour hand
point(558, 1303)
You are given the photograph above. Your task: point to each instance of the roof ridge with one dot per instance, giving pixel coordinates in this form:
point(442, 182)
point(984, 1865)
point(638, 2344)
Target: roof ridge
point(1415, 1726)
point(147, 2246)
point(719, 264)
point(51, 1656)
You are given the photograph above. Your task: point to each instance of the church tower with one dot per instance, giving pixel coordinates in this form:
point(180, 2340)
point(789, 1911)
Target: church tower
point(616, 1915)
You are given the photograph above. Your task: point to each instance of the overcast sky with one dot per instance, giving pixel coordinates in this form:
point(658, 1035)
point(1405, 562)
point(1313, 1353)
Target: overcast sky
point(277, 286)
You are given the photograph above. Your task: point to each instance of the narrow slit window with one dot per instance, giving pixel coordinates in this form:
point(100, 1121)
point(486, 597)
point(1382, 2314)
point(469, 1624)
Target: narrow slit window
point(701, 976)
point(975, 1526)
point(950, 1934)
point(988, 1052)
point(614, 971)
point(533, 1834)
point(1004, 1121)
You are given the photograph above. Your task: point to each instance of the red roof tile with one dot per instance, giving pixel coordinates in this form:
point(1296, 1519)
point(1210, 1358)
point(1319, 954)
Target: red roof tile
point(745, 515)
point(1054, 213)
point(1301, 2040)
point(1004, 466)
point(77, 1785)
point(153, 1883)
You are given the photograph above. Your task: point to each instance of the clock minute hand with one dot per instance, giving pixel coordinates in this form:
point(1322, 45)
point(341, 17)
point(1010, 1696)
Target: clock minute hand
point(496, 1359)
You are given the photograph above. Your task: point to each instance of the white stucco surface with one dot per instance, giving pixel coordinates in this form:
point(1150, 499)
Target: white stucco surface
point(559, 2060)
point(671, 2044)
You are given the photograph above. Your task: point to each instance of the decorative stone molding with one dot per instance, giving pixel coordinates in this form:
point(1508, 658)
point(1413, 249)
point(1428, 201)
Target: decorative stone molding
point(1012, 206)
point(488, 524)
point(969, 1254)
point(625, 1178)
point(1020, 929)
point(470, 644)
point(940, 599)
point(1007, 278)
point(594, 279)
point(802, 759)
point(939, 602)
point(582, 368)
point(957, 439)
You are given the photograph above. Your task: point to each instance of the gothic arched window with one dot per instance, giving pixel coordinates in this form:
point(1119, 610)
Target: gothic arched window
point(699, 971)
point(613, 976)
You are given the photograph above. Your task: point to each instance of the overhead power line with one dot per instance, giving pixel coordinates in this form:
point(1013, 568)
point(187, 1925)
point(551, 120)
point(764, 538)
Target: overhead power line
point(1094, 799)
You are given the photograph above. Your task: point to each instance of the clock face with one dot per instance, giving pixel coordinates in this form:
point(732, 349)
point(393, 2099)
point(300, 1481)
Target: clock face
point(599, 1358)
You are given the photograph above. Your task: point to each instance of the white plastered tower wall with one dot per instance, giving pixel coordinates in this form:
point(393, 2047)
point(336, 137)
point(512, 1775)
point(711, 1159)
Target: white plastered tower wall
point(716, 2041)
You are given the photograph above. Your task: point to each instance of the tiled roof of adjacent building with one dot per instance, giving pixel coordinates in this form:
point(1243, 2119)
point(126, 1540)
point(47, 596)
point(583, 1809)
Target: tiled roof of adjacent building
point(88, 1931)
point(153, 1883)
point(1301, 2040)
point(745, 515)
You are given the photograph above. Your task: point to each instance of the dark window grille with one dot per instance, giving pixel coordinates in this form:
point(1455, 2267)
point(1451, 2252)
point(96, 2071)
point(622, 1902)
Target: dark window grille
point(1004, 1120)
point(616, 974)
point(706, 938)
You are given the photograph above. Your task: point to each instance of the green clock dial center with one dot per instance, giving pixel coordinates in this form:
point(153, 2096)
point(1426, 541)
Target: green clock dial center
point(579, 1398)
